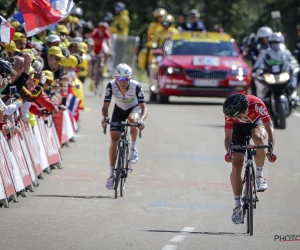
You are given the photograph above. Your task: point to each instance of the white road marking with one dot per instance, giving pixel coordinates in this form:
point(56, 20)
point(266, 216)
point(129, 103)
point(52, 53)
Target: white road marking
point(187, 230)
point(169, 247)
point(296, 114)
point(178, 238)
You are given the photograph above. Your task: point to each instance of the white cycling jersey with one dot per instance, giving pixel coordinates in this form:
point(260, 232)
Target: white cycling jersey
point(133, 96)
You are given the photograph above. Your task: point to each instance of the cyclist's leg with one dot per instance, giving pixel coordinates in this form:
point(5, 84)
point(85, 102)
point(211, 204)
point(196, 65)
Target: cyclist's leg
point(238, 138)
point(259, 135)
point(134, 117)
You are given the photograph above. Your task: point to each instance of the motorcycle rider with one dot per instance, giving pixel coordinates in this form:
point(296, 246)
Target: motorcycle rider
point(277, 50)
point(158, 15)
point(256, 45)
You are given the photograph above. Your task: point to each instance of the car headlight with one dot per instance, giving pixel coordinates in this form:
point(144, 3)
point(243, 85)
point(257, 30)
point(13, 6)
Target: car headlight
point(269, 78)
point(284, 77)
point(238, 72)
point(172, 71)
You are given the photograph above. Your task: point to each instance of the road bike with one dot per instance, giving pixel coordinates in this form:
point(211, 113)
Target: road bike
point(122, 159)
point(249, 198)
point(98, 75)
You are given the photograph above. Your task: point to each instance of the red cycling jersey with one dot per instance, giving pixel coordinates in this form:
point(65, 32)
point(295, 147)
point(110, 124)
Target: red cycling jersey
point(99, 39)
point(256, 110)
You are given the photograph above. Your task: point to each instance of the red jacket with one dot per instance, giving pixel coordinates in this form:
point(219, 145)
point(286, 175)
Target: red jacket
point(99, 40)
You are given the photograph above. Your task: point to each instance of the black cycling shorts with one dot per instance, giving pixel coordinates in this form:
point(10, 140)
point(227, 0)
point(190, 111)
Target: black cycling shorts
point(241, 131)
point(120, 115)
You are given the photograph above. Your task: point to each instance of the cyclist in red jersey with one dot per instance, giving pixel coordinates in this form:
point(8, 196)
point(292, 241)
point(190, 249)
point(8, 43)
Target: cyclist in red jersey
point(103, 44)
point(246, 115)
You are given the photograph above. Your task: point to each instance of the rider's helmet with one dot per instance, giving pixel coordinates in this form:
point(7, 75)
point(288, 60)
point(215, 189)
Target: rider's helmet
point(159, 12)
point(277, 37)
point(123, 70)
point(235, 105)
point(264, 32)
point(5, 68)
point(167, 20)
point(276, 41)
point(120, 6)
point(76, 11)
point(103, 25)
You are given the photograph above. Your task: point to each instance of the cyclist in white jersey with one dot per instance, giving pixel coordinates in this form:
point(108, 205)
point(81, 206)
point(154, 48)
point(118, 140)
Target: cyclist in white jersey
point(129, 104)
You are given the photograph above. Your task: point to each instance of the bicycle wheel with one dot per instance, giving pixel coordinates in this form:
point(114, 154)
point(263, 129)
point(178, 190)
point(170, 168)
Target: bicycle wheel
point(98, 78)
point(250, 202)
point(118, 170)
point(124, 171)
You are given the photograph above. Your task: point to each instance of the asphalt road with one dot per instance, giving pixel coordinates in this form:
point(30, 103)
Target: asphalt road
point(177, 197)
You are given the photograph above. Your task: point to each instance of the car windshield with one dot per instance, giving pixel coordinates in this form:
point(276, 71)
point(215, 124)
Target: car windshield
point(191, 48)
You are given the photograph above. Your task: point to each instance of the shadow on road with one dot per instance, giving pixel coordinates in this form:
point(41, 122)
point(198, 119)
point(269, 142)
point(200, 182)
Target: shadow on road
point(206, 233)
point(204, 103)
point(75, 196)
point(210, 125)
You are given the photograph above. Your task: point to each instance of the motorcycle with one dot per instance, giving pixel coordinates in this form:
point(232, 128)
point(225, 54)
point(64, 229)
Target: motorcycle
point(276, 83)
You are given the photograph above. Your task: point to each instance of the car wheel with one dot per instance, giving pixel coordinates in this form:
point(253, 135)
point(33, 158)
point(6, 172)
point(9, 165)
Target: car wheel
point(153, 96)
point(162, 98)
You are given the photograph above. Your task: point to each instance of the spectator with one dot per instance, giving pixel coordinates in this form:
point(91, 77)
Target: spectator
point(11, 49)
point(53, 40)
point(40, 37)
point(63, 32)
point(20, 40)
point(196, 24)
point(54, 59)
point(183, 24)
point(121, 23)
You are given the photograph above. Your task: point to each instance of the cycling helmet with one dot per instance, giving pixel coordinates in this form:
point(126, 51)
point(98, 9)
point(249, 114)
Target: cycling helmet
point(103, 25)
point(123, 70)
point(235, 105)
point(5, 67)
point(159, 12)
point(120, 6)
point(108, 17)
point(277, 37)
point(264, 32)
point(168, 19)
point(76, 11)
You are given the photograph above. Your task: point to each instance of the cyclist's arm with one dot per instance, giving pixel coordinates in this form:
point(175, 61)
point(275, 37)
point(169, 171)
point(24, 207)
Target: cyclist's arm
point(271, 132)
point(144, 110)
point(105, 109)
point(107, 99)
point(228, 137)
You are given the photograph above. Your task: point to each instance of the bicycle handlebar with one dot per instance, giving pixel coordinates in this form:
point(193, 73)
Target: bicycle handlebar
point(269, 146)
point(122, 124)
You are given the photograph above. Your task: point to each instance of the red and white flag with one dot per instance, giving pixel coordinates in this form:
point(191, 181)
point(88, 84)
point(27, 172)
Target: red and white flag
point(6, 31)
point(38, 14)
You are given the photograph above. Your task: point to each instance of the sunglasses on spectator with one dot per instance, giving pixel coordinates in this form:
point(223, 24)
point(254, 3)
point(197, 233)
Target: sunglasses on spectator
point(123, 79)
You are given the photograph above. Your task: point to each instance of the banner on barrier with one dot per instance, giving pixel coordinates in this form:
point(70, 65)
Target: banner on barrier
point(60, 126)
point(32, 146)
point(12, 165)
point(49, 142)
point(5, 174)
point(68, 125)
point(21, 160)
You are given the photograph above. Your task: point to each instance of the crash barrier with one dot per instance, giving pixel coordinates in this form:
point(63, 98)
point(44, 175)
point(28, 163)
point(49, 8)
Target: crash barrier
point(34, 151)
point(124, 51)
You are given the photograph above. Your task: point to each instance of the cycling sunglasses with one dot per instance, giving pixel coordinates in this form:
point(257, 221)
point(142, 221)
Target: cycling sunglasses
point(123, 79)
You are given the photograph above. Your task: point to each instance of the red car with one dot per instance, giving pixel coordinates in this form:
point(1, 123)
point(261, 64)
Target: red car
point(205, 64)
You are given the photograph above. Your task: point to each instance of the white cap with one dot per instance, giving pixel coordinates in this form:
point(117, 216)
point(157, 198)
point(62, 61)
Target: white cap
point(53, 38)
